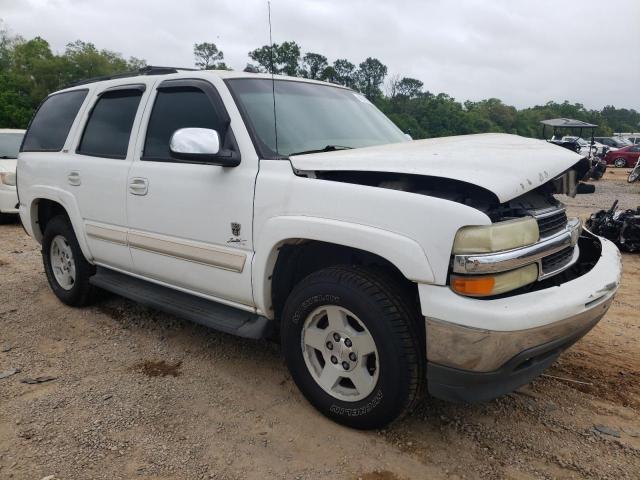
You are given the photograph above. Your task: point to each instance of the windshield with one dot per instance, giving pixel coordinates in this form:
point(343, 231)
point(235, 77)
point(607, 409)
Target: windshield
point(10, 144)
point(311, 116)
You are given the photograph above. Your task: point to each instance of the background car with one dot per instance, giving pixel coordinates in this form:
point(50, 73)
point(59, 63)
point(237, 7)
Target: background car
point(10, 141)
point(623, 157)
point(613, 142)
point(597, 149)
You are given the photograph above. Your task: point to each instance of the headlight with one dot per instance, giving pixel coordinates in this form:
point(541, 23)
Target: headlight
point(8, 178)
point(488, 285)
point(496, 237)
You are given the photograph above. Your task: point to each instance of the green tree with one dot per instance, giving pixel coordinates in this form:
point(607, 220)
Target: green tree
point(344, 72)
point(314, 66)
point(284, 58)
point(370, 76)
point(208, 57)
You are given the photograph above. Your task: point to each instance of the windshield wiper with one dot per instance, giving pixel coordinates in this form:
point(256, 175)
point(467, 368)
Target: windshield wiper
point(7, 157)
point(328, 148)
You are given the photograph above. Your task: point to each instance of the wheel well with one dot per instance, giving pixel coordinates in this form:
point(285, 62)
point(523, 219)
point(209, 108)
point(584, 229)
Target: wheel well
point(48, 209)
point(297, 260)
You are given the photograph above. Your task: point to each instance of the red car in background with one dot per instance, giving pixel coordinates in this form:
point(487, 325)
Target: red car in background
point(624, 157)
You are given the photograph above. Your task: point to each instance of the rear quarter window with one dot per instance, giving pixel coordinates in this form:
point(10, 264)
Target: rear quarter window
point(50, 126)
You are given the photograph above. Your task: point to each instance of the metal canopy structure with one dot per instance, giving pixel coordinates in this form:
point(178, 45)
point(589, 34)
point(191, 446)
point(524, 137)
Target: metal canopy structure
point(559, 124)
point(567, 123)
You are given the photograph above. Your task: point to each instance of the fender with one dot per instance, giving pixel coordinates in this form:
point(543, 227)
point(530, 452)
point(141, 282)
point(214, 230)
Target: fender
point(68, 202)
point(403, 252)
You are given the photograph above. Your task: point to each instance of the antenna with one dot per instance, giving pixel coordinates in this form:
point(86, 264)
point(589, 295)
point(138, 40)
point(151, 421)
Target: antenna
point(273, 81)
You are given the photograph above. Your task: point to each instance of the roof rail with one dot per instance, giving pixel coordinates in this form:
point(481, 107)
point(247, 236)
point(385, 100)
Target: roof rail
point(148, 70)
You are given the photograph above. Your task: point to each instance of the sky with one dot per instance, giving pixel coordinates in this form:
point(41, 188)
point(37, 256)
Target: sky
point(525, 52)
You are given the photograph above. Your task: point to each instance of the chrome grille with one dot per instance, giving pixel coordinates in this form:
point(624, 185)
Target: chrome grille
point(552, 222)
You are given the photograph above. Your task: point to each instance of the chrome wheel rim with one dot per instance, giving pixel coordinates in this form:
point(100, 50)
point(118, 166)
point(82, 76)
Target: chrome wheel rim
point(62, 263)
point(340, 353)
point(620, 162)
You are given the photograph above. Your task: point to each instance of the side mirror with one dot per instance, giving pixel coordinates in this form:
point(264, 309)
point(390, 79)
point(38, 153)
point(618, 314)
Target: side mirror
point(200, 145)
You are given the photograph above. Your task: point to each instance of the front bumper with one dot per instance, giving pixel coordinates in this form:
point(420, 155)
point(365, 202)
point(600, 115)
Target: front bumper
point(480, 349)
point(8, 199)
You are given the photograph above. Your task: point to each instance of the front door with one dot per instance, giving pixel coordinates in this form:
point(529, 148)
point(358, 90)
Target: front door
point(190, 224)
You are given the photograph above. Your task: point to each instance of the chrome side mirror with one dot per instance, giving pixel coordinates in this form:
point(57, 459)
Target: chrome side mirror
point(194, 143)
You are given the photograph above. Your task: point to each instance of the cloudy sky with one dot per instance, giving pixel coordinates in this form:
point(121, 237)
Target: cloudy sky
point(525, 52)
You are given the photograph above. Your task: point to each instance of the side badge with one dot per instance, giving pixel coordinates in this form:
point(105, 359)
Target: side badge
point(235, 232)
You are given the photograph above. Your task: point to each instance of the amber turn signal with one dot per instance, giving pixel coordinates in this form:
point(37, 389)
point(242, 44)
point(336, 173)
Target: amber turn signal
point(486, 285)
point(473, 286)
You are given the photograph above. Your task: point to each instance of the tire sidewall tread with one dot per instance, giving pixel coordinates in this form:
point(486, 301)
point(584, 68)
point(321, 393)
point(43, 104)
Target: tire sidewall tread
point(82, 293)
point(387, 314)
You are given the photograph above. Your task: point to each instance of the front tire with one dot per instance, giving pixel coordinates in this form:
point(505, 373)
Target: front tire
point(67, 270)
point(620, 162)
point(354, 344)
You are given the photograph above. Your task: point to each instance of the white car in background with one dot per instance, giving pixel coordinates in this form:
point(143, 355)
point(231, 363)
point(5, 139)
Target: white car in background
point(597, 148)
point(10, 140)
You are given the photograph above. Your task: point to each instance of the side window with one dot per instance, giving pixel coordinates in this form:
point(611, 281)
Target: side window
point(176, 108)
point(108, 128)
point(50, 127)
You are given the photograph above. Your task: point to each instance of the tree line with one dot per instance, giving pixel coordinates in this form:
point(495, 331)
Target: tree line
point(30, 70)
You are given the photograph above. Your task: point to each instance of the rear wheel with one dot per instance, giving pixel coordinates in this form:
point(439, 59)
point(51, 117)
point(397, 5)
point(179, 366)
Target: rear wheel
point(354, 346)
point(67, 270)
point(634, 175)
point(620, 162)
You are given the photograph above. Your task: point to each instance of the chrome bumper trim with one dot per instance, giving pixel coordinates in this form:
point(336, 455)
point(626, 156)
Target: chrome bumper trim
point(520, 257)
point(480, 350)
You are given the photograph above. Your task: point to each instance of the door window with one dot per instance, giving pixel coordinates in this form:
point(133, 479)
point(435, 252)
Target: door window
point(109, 126)
point(50, 126)
point(176, 108)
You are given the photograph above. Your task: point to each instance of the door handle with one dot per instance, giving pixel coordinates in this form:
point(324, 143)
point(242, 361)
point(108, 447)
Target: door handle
point(74, 178)
point(138, 186)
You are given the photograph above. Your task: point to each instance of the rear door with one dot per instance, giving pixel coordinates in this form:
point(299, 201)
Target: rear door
point(97, 170)
point(190, 224)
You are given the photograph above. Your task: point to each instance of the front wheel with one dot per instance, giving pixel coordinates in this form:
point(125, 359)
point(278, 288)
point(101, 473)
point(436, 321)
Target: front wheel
point(634, 175)
point(354, 345)
point(66, 268)
point(620, 163)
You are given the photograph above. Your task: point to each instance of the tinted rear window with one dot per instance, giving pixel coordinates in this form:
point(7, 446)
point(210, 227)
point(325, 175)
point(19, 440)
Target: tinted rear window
point(49, 128)
point(109, 126)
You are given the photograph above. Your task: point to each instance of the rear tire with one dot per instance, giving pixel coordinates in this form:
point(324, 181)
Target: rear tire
point(375, 365)
point(67, 270)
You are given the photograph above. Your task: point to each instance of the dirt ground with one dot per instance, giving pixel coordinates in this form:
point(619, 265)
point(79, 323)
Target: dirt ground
point(140, 394)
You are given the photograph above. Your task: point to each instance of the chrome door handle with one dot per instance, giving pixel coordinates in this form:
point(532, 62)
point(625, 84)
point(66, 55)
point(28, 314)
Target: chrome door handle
point(139, 186)
point(74, 178)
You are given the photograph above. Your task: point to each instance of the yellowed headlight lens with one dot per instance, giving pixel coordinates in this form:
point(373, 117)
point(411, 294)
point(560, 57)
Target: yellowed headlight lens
point(496, 237)
point(488, 285)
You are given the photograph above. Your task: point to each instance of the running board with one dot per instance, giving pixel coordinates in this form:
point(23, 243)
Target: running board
point(196, 309)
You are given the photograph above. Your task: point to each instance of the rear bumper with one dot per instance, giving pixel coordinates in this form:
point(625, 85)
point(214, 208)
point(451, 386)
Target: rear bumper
point(480, 349)
point(8, 199)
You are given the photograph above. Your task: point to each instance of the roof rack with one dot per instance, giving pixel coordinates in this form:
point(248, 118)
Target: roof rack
point(148, 70)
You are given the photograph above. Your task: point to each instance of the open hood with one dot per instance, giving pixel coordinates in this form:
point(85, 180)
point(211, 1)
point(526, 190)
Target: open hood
point(507, 165)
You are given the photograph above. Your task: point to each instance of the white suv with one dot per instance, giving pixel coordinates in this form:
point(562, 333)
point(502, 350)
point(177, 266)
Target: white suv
point(294, 208)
